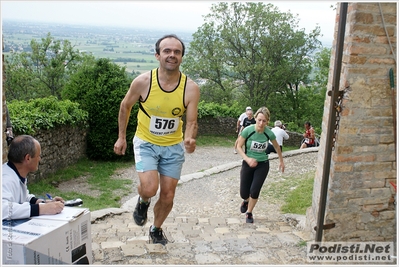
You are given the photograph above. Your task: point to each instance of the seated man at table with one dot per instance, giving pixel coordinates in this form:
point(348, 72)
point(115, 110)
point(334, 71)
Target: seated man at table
point(23, 157)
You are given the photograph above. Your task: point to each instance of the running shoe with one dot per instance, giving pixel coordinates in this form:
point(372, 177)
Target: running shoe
point(140, 212)
point(244, 206)
point(158, 237)
point(250, 218)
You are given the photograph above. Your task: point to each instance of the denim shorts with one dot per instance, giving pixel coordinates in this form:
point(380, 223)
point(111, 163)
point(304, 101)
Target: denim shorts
point(167, 160)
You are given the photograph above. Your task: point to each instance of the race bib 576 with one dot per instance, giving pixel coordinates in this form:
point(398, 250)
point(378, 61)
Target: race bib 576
point(163, 126)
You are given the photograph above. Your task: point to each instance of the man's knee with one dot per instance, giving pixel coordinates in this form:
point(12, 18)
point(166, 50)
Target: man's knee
point(166, 197)
point(146, 191)
point(149, 184)
point(167, 189)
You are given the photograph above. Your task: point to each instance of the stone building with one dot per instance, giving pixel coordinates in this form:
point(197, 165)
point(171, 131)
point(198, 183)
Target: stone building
point(359, 204)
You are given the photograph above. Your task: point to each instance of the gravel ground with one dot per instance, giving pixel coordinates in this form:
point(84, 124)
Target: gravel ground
point(202, 159)
point(214, 194)
point(218, 193)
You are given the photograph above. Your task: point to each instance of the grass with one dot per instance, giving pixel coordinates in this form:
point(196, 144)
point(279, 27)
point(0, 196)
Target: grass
point(98, 174)
point(295, 193)
point(99, 178)
point(288, 148)
point(209, 140)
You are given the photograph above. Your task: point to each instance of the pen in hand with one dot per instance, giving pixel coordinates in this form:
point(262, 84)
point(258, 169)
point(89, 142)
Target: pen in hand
point(60, 199)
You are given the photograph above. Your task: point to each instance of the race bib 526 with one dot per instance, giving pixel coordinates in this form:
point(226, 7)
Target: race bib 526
point(258, 147)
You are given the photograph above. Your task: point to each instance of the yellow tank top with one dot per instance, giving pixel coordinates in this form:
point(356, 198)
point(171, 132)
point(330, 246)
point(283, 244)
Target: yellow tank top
point(159, 119)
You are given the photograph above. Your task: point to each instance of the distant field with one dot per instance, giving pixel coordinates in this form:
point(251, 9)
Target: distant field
point(141, 53)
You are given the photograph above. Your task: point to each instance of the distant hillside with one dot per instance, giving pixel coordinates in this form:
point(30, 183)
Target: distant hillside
point(130, 47)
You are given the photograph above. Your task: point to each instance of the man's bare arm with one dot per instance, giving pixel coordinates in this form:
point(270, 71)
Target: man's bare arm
point(191, 100)
point(138, 88)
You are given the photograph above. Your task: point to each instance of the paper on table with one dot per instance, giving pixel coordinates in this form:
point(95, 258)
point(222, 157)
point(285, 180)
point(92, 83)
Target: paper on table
point(67, 214)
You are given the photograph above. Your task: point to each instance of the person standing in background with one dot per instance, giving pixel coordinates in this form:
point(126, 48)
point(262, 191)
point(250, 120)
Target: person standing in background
point(248, 120)
point(239, 125)
point(281, 134)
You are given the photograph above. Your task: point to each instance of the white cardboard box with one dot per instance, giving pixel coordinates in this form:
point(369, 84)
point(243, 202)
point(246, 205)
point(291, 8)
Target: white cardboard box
point(33, 241)
point(79, 232)
point(64, 238)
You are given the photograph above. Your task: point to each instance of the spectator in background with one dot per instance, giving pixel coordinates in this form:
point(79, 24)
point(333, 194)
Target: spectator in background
point(23, 158)
point(281, 134)
point(248, 120)
point(239, 125)
point(309, 136)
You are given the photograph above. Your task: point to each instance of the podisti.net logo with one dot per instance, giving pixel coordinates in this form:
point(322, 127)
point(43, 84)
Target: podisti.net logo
point(350, 252)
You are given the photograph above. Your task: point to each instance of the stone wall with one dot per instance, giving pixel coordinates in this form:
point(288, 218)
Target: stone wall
point(217, 126)
point(227, 127)
point(61, 147)
point(359, 199)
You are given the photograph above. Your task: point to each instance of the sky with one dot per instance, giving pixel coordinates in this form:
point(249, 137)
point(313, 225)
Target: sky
point(179, 15)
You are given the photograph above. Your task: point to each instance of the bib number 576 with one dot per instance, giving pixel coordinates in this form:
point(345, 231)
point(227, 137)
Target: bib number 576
point(164, 124)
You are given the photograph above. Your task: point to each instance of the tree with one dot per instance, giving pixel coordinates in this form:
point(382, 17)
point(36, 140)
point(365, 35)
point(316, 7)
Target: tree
point(99, 89)
point(306, 102)
point(42, 72)
point(252, 49)
point(318, 89)
point(322, 67)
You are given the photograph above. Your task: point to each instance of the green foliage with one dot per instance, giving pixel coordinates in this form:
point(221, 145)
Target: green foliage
point(216, 110)
point(100, 88)
point(322, 66)
point(309, 107)
point(44, 113)
point(304, 102)
point(209, 94)
point(42, 72)
point(250, 50)
point(253, 54)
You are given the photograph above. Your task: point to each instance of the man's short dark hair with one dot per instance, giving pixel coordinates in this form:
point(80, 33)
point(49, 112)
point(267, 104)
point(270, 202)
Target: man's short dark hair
point(157, 49)
point(21, 146)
